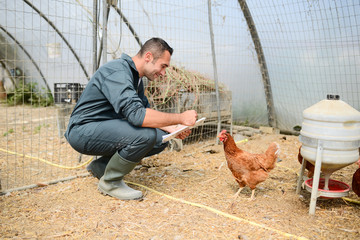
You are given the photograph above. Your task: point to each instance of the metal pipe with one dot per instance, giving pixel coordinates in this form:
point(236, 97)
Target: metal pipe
point(104, 31)
point(122, 16)
point(101, 43)
point(215, 69)
point(300, 180)
point(95, 65)
point(46, 183)
point(316, 178)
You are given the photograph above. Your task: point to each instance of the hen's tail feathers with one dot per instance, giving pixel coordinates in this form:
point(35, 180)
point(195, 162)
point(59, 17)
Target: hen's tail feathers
point(272, 154)
point(273, 149)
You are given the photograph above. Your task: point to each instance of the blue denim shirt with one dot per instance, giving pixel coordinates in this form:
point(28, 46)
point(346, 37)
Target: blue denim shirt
point(112, 92)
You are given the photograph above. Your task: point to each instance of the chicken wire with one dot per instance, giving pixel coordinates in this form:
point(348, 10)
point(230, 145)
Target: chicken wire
point(310, 48)
point(47, 57)
point(42, 43)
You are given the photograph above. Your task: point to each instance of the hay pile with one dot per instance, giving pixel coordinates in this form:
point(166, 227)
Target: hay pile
point(165, 92)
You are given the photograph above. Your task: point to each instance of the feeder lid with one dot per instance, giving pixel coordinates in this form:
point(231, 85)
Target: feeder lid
point(332, 109)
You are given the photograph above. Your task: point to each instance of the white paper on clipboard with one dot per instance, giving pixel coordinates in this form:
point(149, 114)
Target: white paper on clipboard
point(172, 135)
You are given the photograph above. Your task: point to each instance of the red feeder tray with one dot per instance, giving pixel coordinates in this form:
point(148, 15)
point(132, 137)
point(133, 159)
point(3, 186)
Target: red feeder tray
point(337, 189)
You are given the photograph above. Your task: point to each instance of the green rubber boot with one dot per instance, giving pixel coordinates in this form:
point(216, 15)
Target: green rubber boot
point(112, 182)
point(97, 167)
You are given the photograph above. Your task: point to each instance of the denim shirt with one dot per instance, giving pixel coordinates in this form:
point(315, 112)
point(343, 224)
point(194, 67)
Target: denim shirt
point(112, 92)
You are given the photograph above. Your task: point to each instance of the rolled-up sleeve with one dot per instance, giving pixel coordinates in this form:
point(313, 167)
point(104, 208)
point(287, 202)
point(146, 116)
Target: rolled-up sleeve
point(118, 88)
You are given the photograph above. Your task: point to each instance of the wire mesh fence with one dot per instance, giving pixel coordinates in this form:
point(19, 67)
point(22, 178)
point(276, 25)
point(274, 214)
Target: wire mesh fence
point(311, 50)
point(47, 57)
point(40, 47)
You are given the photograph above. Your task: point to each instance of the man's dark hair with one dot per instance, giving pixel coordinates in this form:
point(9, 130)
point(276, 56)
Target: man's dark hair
point(156, 46)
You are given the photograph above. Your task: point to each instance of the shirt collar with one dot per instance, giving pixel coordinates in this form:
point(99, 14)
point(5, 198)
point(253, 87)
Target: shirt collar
point(128, 59)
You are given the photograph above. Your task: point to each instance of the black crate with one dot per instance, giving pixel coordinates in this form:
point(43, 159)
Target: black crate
point(67, 93)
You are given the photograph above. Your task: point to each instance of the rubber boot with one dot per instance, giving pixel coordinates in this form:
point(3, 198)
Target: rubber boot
point(112, 182)
point(97, 167)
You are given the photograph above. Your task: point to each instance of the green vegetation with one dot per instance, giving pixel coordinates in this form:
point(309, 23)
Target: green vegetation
point(8, 132)
point(29, 94)
point(38, 128)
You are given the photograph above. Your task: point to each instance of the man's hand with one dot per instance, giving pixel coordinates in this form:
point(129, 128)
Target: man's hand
point(184, 134)
point(188, 118)
point(156, 119)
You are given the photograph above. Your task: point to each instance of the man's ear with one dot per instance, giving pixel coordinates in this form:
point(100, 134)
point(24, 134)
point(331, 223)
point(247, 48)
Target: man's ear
point(148, 57)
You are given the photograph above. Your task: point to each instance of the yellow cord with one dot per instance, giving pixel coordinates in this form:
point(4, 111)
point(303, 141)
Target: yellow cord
point(168, 196)
point(244, 140)
point(181, 200)
point(62, 166)
point(217, 211)
point(48, 162)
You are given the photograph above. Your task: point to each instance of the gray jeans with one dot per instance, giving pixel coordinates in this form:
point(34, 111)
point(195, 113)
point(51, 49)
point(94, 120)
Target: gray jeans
point(106, 137)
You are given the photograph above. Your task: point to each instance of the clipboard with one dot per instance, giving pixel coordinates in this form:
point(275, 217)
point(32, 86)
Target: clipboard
point(172, 135)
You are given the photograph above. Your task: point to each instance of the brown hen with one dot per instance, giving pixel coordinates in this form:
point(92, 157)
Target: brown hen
point(356, 181)
point(309, 166)
point(247, 168)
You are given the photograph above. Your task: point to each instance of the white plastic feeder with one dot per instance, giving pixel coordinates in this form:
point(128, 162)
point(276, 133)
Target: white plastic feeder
point(330, 138)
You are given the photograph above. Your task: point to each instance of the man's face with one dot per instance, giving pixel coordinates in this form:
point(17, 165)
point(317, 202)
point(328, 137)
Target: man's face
point(156, 68)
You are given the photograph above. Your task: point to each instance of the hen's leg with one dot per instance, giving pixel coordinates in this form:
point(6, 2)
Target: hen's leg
point(252, 194)
point(235, 197)
point(237, 193)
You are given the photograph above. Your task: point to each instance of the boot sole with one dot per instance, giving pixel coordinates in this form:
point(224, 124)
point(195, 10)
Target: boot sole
point(92, 173)
point(106, 193)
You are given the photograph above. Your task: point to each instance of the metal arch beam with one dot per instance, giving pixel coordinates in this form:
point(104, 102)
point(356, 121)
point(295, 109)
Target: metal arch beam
point(262, 63)
point(62, 37)
point(27, 54)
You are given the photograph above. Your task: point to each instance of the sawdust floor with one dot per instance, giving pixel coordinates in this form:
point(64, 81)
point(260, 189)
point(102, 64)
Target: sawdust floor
point(194, 191)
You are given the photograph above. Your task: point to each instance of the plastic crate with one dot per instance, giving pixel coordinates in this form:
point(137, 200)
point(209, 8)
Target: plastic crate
point(67, 93)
